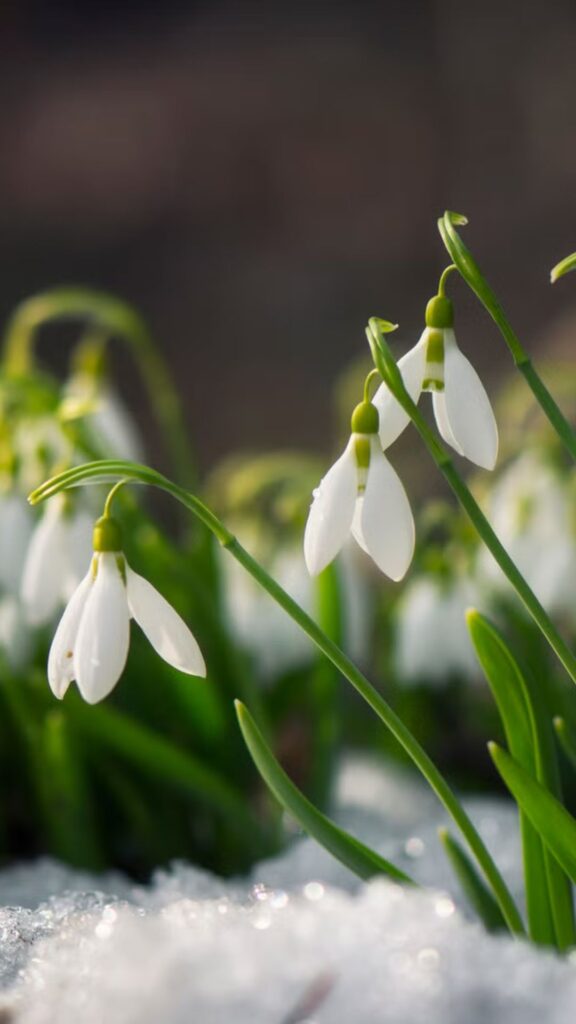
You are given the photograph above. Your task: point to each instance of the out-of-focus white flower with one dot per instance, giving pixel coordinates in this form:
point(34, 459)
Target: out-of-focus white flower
point(39, 444)
point(361, 494)
point(431, 637)
point(15, 639)
point(56, 560)
point(92, 639)
point(16, 526)
point(531, 508)
point(461, 406)
point(259, 624)
point(111, 427)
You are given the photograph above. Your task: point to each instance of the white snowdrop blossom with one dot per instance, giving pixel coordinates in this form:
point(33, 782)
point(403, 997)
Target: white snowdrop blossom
point(16, 527)
point(432, 643)
point(461, 406)
point(56, 560)
point(92, 640)
point(531, 509)
point(361, 494)
point(109, 423)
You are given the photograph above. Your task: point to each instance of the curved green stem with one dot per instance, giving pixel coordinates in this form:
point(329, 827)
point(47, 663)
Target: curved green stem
point(111, 495)
point(474, 278)
point(371, 377)
point(116, 318)
point(444, 277)
point(390, 373)
point(104, 471)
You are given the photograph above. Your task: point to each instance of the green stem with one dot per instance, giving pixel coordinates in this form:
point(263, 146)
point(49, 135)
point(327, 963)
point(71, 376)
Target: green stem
point(473, 276)
point(444, 277)
point(112, 494)
point(372, 376)
point(116, 318)
point(390, 373)
point(347, 668)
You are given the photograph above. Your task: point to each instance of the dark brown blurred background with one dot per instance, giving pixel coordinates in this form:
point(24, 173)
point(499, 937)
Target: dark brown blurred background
point(260, 178)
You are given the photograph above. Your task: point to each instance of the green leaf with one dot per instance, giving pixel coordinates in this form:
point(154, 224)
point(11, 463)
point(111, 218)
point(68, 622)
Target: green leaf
point(555, 825)
point(478, 895)
point(363, 861)
point(456, 218)
point(563, 267)
point(69, 813)
point(530, 740)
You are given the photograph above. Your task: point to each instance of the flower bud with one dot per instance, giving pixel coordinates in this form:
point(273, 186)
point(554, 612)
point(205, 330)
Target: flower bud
point(439, 312)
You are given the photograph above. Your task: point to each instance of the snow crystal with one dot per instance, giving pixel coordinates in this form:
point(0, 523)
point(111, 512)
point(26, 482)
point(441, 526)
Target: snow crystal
point(299, 942)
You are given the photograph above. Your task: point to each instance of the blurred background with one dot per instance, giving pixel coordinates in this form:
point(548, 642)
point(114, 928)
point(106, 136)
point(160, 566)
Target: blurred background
point(260, 178)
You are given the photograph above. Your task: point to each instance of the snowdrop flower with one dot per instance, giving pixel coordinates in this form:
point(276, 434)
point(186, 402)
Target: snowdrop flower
point(92, 639)
point(461, 406)
point(432, 643)
point(15, 639)
point(363, 494)
point(56, 560)
point(531, 509)
point(110, 425)
point(16, 527)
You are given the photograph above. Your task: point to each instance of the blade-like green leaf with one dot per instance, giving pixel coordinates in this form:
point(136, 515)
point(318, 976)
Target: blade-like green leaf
point(350, 851)
point(478, 895)
point(563, 267)
point(555, 825)
point(530, 740)
point(69, 813)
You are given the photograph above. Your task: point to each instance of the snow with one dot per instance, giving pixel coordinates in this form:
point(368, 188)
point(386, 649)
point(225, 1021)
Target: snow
point(301, 940)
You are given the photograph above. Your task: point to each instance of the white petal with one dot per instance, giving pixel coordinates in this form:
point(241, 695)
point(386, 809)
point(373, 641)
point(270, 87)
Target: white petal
point(114, 428)
point(45, 567)
point(468, 411)
point(393, 419)
point(166, 631)
point(60, 659)
point(16, 528)
point(441, 417)
point(79, 529)
point(331, 512)
point(385, 528)
point(104, 633)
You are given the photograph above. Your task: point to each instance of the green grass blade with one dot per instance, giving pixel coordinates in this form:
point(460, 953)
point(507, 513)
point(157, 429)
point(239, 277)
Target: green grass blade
point(555, 825)
point(548, 903)
point(363, 861)
point(478, 895)
point(69, 813)
point(508, 689)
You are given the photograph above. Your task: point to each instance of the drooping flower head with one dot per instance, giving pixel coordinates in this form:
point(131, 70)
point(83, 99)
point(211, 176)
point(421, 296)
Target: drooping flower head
point(92, 640)
point(461, 406)
point(361, 494)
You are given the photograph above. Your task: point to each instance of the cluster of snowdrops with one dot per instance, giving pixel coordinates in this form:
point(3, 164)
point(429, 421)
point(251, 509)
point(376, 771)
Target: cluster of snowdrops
point(361, 495)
